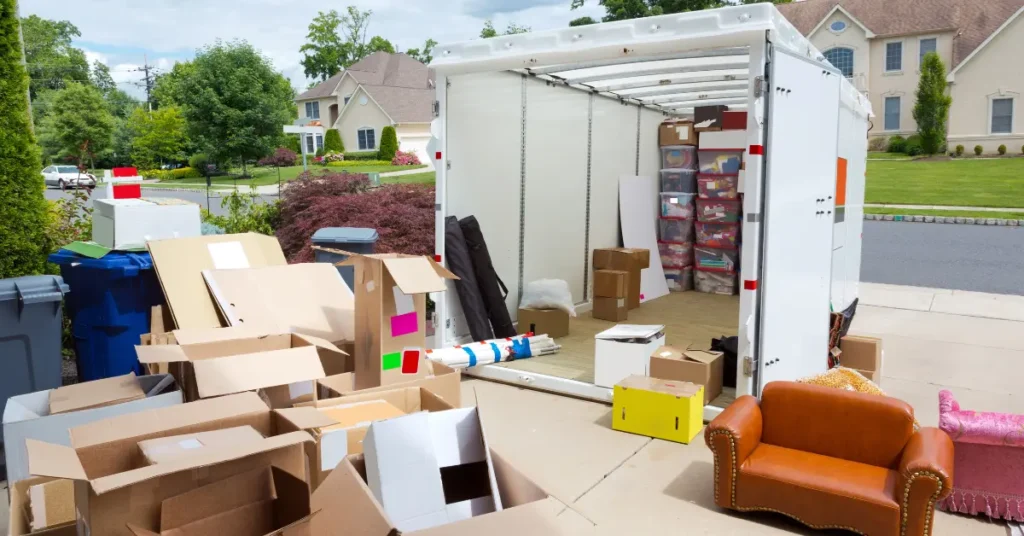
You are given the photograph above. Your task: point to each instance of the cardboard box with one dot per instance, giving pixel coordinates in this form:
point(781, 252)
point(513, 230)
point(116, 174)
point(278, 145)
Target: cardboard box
point(610, 309)
point(130, 223)
point(441, 380)
point(727, 140)
point(173, 448)
point(179, 266)
point(629, 260)
point(610, 283)
point(52, 503)
point(391, 318)
point(19, 521)
point(708, 118)
point(863, 354)
point(311, 299)
point(263, 501)
point(696, 366)
point(663, 409)
point(340, 424)
point(677, 133)
point(215, 362)
point(552, 322)
point(110, 474)
point(624, 350)
point(28, 417)
point(95, 394)
point(734, 120)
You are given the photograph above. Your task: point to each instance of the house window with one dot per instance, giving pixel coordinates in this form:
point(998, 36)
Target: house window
point(841, 58)
point(319, 141)
point(313, 110)
point(837, 26)
point(892, 113)
point(367, 140)
point(348, 98)
point(927, 45)
point(894, 56)
point(309, 144)
point(1002, 116)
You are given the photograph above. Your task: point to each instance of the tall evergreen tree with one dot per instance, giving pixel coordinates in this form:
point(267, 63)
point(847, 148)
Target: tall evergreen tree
point(932, 106)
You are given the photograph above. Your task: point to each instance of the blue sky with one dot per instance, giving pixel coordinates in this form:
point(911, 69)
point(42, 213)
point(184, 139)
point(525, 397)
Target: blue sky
point(120, 33)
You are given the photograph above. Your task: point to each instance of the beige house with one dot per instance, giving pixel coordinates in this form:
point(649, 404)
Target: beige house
point(879, 44)
point(380, 90)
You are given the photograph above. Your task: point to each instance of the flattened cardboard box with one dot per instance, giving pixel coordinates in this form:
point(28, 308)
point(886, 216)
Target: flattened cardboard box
point(109, 472)
point(19, 522)
point(441, 380)
point(95, 394)
point(697, 366)
point(551, 322)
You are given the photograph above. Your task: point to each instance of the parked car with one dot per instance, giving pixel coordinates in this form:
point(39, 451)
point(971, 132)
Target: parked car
point(67, 177)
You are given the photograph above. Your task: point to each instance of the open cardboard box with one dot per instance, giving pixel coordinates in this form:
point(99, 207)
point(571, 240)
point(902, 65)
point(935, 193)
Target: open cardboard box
point(19, 516)
point(215, 362)
point(95, 394)
point(340, 424)
point(114, 485)
point(702, 367)
point(439, 379)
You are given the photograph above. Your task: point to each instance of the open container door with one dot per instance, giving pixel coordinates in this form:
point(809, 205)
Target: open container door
point(801, 151)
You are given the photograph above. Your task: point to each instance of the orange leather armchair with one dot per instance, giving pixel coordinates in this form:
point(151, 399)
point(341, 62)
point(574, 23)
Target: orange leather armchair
point(831, 459)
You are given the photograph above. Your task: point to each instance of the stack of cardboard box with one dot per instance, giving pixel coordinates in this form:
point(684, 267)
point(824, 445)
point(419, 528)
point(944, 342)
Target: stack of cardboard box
point(615, 294)
point(678, 141)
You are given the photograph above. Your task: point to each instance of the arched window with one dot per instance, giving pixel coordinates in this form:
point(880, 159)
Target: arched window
point(841, 58)
point(367, 139)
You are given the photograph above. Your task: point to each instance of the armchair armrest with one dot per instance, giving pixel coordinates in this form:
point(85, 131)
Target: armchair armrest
point(926, 476)
point(732, 436)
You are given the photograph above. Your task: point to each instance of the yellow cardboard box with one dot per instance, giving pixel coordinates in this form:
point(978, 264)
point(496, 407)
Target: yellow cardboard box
point(664, 409)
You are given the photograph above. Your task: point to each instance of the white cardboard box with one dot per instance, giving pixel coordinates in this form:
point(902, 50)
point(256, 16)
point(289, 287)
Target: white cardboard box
point(623, 351)
point(130, 223)
point(405, 457)
point(724, 139)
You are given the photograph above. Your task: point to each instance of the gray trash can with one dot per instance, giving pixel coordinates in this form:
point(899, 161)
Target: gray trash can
point(351, 239)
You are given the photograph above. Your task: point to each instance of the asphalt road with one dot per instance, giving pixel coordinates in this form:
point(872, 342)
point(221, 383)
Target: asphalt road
point(195, 197)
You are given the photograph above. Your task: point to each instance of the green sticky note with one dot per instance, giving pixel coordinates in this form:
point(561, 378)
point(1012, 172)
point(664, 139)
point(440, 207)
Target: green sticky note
point(391, 361)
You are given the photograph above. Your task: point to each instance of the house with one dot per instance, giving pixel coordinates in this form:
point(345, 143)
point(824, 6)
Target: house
point(879, 44)
point(381, 89)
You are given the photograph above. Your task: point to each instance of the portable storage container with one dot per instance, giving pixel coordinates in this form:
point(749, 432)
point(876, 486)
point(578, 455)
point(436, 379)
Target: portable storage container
point(677, 205)
point(716, 259)
point(679, 180)
point(676, 255)
point(717, 161)
point(679, 157)
point(714, 282)
point(676, 230)
point(679, 279)
point(718, 210)
point(717, 235)
point(717, 186)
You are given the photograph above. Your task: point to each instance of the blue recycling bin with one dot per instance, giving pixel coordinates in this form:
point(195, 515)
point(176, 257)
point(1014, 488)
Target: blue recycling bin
point(350, 239)
point(109, 303)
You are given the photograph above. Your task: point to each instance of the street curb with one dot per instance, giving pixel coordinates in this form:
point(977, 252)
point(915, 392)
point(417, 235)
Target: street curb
point(945, 219)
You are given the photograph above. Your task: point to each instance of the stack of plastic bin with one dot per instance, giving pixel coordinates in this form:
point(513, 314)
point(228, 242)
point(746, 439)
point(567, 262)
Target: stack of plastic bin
point(675, 227)
point(717, 232)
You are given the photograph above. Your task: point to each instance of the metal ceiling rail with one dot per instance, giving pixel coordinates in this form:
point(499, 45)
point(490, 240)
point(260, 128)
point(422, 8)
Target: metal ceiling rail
point(569, 67)
point(702, 96)
point(672, 89)
point(624, 82)
point(659, 70)
point(710, 102)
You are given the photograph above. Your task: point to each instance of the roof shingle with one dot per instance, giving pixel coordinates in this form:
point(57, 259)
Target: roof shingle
point(402, 86)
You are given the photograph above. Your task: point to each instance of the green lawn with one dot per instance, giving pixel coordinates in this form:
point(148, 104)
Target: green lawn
point(997, 182)
point(954, 213)
point(264, 176)
point(878, 155)
point(412, 178)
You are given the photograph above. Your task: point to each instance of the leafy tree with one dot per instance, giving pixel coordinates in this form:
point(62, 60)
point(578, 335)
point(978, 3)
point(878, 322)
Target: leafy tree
point(354, 24)
point(52, 61)
point(158, 136)
point(120, 153)
point(582, 21)
point(388, 143)
point(379, 44)
point(425, 55)
point(23, 210)
point(79, 124)
point(488, 30)
point(101, 79)
point(332, 142)
point(635, 9)
point(324, 52)
point(932, 106)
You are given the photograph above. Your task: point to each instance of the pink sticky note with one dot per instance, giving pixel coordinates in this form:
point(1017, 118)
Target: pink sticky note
point(404, 324)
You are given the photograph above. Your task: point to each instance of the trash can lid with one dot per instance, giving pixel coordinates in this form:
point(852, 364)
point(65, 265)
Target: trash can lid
point(345, 235)
point(115, 260)
point(33, 288)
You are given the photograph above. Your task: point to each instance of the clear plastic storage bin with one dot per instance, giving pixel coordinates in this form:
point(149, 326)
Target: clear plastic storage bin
point(679, 279)
point(679, 180)
point(718, 210)
point(714, 282)
point(717, 235)
point(678, 230)
point(718, 186)
point(675, 255)
point(716, 259)
point(677, 205)
point(718, 161)
point(679, 157)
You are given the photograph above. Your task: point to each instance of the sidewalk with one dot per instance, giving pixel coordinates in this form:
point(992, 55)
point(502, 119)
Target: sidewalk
point(617, 483)
point(272, 189)
point(946, 207)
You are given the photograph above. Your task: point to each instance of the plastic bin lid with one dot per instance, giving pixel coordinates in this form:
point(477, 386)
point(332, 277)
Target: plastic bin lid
point(345, 235)
point(680, 170)
point(33, 288)
point(115, 260)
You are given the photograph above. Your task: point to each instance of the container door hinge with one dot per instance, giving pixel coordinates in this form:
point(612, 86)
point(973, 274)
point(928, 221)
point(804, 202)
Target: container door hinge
point(748, 366)
point(448, 164)
point(760, 86)
point(437, 109)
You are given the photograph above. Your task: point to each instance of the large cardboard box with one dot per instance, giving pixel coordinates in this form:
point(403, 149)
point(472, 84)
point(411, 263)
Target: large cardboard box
point(391, 322)
point(28, 417)
point(552, 322)
point(697, 366)
point(658, 408)
point(265, 501)
point(340, 424)
point(172, 448)
point(19, 521)
point(708, 118)
point(130, 223)
point(624, 350)
point(610, 309)
point(215, 362)
point(610, 283)
point(95, 394)
point(676, 133)
point(440, 379)
point(113, 484)
point(631, 260)
point(179, 265)
point(863, 354)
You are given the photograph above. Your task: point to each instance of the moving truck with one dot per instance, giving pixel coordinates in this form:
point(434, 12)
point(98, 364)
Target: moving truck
point(533, 132)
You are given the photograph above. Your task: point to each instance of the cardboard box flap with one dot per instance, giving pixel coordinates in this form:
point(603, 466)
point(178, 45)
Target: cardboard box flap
point(350, 260)
point(95, 393)
point(441, 271)
point(702, 356)
point(204, 458)
point(416, 275)
point(320, 343)
point(675, 388)
point(160, 353)
point(218, 497)
point(186, 337)
point(536, 519)
point(668, 352)
point(47, 459)
point(343, 492)
point(306, 417)
point(629, 332)
point(247, 372)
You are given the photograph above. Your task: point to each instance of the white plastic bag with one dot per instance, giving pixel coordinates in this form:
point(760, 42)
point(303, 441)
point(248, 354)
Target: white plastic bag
point(548, 294)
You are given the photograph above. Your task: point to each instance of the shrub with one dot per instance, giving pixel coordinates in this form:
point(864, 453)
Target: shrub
point(1002, 149)
point(359, 163)
point(68, 220)
point(199, 161)
point(914, 145)
point(897, 144)
point(332, 142)
point(932, 105)
point(186, 173)
point(388, 143)
point(300, 193)
point(293, 143)
point(878, 144)
point(405, 159)
point(977, 150)
point(1022, 149)
point(959, 150)
point(363, 155)
point(333, 158)
point(282, 157)
point(247, 213)
point(319, 152)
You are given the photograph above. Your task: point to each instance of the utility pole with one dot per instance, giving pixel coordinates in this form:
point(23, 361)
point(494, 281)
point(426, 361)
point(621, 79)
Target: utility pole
point(148, 81)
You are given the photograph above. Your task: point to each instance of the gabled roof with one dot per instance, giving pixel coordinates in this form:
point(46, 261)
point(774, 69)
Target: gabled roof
point(400, 85)
point(975, 20)
point(323, 89)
